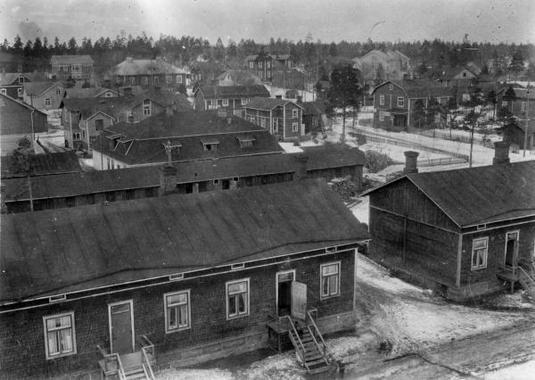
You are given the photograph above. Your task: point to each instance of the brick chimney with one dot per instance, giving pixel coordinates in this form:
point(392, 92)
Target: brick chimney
point(411, 162)
point(302, 164)
point(501, 153)
point(168, 179)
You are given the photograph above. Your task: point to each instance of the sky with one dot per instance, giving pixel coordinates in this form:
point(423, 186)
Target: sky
point(326, 20)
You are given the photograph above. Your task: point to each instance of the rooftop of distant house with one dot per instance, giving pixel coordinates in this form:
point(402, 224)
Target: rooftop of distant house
point(38, 88)
point(69, 59)
point(269, 103)
point(214, 91)
point(42, 165)
point(132, 66)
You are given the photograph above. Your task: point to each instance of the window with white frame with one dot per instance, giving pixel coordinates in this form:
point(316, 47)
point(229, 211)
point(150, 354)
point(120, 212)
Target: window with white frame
point(19, 92)
point(169, 79)
point(179, 79)
point(381, 100)
point(480, 249)
point(237, 298)
point(47, 101)
point(58, 91)
point(401, 101)
point(251, 64)
point(243, 101)
point(3, 91)
point(60, 337)
point(295, 127)
point(225, 102)
point(295, 113)
point(177, 311)
point(147, 108)
point(330, 280)
point(381, 116)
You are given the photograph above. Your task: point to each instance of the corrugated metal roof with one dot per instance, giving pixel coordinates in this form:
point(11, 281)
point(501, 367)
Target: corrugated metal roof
point(102, 245)
point(479, 195)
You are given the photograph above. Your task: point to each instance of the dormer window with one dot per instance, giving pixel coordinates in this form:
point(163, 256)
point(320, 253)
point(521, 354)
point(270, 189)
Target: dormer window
point(147, 107)
point(246, 142)
point(210, 145)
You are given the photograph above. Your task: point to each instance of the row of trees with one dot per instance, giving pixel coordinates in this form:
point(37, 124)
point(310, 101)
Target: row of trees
point(311, 54)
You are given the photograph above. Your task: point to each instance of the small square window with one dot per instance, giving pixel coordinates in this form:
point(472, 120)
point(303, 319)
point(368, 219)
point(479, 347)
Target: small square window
point(237, 295)
point(177, 311)
point(330, 280)
point(401, 101)
point(480, 249)
point(60, 339)
point(47, 101)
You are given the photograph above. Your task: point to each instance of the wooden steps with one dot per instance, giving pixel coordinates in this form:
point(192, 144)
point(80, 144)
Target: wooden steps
point(527, 282)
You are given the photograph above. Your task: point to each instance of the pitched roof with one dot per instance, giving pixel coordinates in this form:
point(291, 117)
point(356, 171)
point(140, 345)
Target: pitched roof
point(268, 103)
point(76, 92)
point(211, 91)
point(13, 78)
point(11, 123)
point(524, 93)
point(419, 88)
point(73, 249)
point(132, 66)
point(240, 77)
point(44, 164)
point(71, 59)
point(38, 88)
point(479, 195)
point(83, 183)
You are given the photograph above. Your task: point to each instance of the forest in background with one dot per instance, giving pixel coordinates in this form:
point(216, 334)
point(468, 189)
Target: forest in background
point(315, 56)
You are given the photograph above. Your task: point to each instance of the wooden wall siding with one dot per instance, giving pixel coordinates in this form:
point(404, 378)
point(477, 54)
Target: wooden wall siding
point(355, 172)
point(496, 252)
point(290, 120)
point(421, 250)
point(405, 198)
point(21, 332)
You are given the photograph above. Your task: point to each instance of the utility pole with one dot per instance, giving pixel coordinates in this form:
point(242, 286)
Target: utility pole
point(471, 143)
point(527, 123)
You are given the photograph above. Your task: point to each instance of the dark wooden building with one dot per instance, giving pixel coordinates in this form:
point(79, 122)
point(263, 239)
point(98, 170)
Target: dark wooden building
point(230, 99)
point(518, 135)
point(171, 280)
point(82, 188)
point(462, 231)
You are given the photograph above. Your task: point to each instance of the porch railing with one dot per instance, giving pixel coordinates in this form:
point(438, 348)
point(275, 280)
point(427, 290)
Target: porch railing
point(148, 355)
point(316, 334)
point(111, 365)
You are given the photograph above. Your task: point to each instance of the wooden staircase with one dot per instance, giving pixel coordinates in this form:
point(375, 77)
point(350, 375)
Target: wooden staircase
point(133, 366)
point(526, 279)
point(310, 348)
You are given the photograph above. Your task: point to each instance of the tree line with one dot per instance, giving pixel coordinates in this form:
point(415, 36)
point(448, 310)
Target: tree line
point(311, 54)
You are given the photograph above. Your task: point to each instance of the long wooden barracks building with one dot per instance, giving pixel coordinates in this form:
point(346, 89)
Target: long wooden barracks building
point(132, 286)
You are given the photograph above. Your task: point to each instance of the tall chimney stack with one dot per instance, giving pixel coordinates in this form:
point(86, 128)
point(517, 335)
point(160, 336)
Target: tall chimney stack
point(501, 153)
point(411, 159)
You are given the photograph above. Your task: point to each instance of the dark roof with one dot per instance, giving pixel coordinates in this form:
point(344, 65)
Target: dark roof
point(44, 164)
point(333, 155)
point(313, 108)
point(78, 92)
point(211, 91)
point(183, 124)
point(37, 88)
point(114, 106)
point(13, 78)
point(268, 103)
point(83, 183)
point(73, 249)
point(420, 88)
point(479, 195)
point(71, 59)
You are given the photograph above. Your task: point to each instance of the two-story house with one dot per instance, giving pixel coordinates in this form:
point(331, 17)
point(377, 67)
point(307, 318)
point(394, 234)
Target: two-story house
point(85, 118)
point(281, 117)
point(395, 102)
point(77, 67)
point(520, 130)
point(147, 73)
point(263, 65)
point(231, 99)
point(12, 84)
point(45, 96)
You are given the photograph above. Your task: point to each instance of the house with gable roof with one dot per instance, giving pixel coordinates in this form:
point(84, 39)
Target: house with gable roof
point(12, 84)
point(74, 66)
point(283, 118)
point(147, 73)
point(462, 232)
point(230, 99)
point(45, 96)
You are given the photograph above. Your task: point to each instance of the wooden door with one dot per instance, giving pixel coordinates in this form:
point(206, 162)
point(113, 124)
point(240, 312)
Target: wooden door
point(284, 292)
point(121, 327)
point(511, 246)
point(299, 300)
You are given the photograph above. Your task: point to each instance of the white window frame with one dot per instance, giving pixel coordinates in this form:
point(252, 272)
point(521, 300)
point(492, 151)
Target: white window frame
point(381, 100)
point(168, 329)
point(3, 91)
point(401, 101)
point(225, 102)
point(295, 127)
point(243, 101)
point(483, 265)
point(391, 87)
point(47, 101)
point(295, 113)
point(73, 334)
point(247, 301)
point(147, 107)
point(179, 79)
point(251, 64)
point(330, 294)
point(381, 116)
